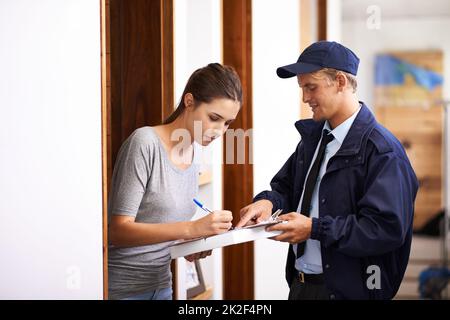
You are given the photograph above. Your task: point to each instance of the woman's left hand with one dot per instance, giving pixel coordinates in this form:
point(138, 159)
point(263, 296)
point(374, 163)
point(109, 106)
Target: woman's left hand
point(198, 255)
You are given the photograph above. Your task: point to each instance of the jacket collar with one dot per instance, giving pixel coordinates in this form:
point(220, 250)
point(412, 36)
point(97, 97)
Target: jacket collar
point(363, 124)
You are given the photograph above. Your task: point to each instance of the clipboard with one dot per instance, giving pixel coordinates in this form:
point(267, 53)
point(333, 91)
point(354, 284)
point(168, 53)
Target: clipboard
point(239, 235)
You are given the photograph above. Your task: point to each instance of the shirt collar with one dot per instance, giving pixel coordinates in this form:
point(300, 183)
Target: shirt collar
point(340, 132)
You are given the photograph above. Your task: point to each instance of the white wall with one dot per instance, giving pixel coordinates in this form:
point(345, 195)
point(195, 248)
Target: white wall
point(276, 107)
point(198, 42)
point(50, 168)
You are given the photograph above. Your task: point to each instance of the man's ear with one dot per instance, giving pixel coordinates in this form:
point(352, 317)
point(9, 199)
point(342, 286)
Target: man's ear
point(188, 100)
point(342, 81)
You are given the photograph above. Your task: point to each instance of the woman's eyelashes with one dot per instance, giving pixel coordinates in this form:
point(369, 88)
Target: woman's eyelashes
point(214, 118)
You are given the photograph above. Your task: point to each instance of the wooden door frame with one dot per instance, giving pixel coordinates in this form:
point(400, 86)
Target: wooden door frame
point(130, 103)
point(105, 127)
point(322, 20)
point(238, 260)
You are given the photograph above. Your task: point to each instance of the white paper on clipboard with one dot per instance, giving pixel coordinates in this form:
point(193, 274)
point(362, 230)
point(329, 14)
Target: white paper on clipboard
point(235, 236)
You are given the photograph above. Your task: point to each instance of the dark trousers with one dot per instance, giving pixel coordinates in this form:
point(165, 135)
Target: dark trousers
point(307, 290)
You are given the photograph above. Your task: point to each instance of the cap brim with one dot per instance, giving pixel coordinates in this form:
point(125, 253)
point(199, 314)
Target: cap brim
point(294, 69)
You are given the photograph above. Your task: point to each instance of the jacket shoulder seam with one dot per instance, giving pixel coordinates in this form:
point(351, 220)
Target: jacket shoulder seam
point(381, 143)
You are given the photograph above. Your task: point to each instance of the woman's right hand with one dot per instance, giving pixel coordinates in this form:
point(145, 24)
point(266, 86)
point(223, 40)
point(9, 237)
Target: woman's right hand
point(214, 223)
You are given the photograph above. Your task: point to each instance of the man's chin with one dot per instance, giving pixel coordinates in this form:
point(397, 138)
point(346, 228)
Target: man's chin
point(317, 118)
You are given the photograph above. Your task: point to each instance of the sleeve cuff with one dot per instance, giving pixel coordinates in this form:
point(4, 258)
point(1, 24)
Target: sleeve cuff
point(316, 229)
point(266, 195)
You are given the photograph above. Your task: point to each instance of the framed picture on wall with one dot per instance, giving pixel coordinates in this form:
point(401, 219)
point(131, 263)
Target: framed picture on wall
point(195, 283)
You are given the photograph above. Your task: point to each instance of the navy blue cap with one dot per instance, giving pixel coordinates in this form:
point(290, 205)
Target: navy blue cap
point(319, 55)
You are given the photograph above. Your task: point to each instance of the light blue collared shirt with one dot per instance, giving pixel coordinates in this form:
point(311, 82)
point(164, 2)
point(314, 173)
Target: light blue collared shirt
point(311, 261)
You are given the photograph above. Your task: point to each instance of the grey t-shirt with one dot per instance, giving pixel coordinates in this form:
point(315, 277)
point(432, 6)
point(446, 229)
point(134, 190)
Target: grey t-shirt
point(148, 186)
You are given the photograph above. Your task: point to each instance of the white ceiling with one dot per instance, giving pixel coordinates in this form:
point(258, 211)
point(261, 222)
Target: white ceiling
point(356, 9)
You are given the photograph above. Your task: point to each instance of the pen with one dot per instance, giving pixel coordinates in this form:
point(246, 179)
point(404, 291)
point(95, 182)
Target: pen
point(202, 206)
point(198, 203)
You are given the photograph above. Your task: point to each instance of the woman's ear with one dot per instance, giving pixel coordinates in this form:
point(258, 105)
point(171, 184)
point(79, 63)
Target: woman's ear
point(188, 101)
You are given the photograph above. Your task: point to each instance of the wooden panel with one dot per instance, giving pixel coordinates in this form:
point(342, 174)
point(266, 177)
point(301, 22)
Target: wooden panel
point(238, 178)
point(321, 20)
point(104, 34)
point(173, 269)
point(141, 66)
point(419, 130)
point(140, 60)
point(411, 120)
point(167, 61)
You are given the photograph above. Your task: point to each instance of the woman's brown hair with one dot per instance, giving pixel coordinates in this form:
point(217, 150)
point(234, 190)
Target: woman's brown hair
point(208, 83)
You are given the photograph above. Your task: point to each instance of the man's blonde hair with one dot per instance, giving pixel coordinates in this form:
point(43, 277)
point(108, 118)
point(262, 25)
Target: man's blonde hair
point(331, 74)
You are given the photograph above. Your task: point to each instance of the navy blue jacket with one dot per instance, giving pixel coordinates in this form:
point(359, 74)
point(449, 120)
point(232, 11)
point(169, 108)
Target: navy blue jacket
point(366, 207)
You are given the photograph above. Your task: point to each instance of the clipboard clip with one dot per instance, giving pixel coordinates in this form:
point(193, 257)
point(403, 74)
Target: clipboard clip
point(276, 214)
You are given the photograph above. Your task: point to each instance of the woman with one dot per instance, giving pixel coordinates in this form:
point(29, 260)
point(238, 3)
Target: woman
point(155, 180)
